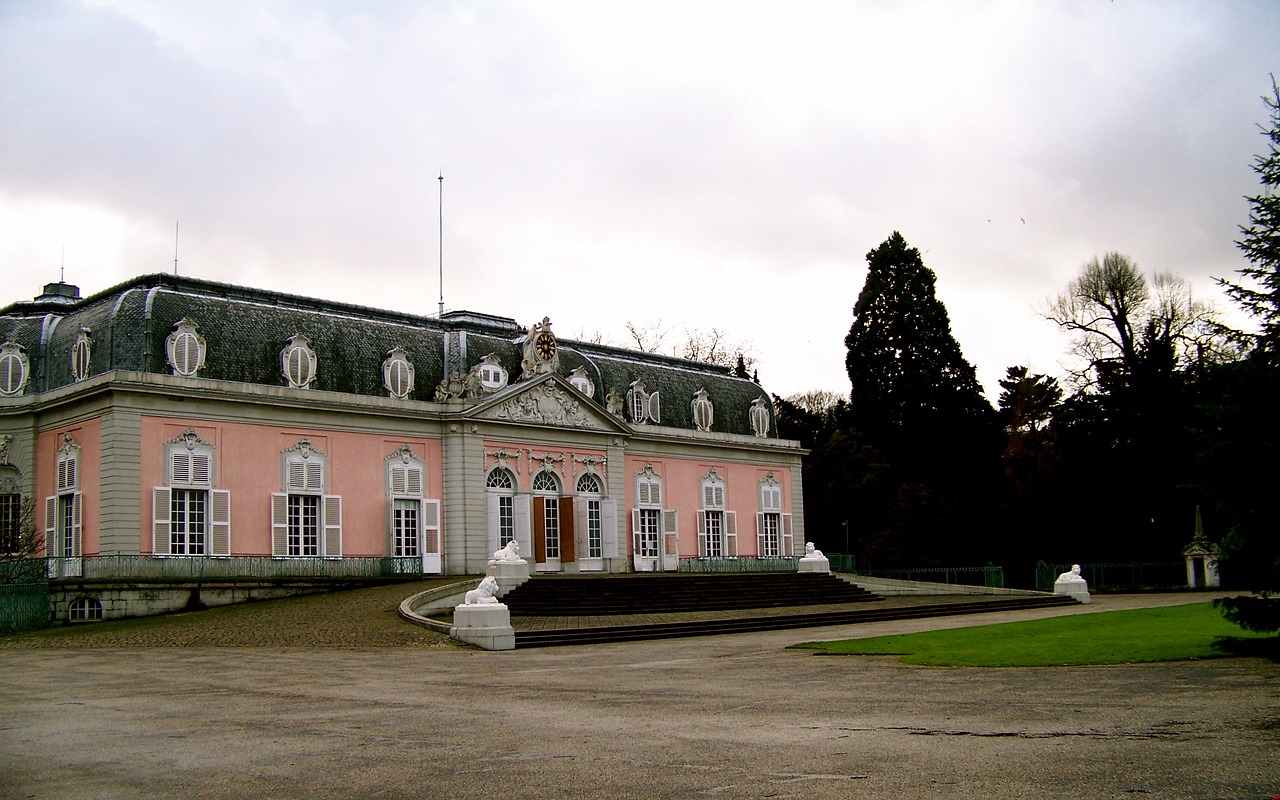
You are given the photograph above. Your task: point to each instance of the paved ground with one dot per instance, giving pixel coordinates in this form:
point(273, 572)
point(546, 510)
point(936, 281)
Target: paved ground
point(152, 711)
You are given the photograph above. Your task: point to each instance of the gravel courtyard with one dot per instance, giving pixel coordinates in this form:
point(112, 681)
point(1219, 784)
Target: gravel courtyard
point(334, 697)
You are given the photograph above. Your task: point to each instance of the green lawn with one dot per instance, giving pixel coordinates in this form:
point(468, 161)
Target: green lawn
point(1175, 633)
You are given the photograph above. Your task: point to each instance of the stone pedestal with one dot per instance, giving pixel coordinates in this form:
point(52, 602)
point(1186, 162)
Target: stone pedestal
point(814, 564)
point(1077, 589)
point(486, 625)
point(508, 574)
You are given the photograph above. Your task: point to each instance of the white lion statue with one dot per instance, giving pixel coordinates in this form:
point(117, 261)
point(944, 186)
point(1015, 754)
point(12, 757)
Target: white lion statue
point(509, 553)
point(484, 594)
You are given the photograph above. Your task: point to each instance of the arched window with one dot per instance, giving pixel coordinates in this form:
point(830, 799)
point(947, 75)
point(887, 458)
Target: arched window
point(185, 349)
point(63, 513)
point(414, 520)
point(85, 609)
point(501, 485)
point(655, 537)
point(590, 514)
point(14, 368)
point(547, 522)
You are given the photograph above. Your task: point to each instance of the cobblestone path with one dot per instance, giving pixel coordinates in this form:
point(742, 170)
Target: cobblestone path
point(351, 618)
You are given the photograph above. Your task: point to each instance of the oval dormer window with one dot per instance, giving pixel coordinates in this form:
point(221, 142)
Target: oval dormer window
point(80, 353)
point(397, 374)
point(298, 362)
point(185, 349)
point(14, 369)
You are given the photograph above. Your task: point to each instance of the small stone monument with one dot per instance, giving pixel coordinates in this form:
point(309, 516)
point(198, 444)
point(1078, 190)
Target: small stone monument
point(482, 620)
point(813, 560)
point(1071, 583)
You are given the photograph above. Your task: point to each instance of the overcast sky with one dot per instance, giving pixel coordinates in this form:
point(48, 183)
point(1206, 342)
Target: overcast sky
point(704, 164)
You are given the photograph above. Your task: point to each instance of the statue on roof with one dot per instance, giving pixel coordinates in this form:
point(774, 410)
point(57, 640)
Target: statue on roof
point(541, 352)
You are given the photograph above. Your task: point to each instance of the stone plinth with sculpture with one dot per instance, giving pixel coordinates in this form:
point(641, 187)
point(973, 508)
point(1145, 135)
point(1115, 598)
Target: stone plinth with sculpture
point(813, 560)
point(508, 568)
point(482, 620)
point(1073, 583)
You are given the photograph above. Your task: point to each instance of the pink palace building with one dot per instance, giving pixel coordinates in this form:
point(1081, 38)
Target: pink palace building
point(177, 435)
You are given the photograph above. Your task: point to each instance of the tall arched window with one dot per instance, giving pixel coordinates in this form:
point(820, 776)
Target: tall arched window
point(500, 484)
point(414, 521)
point(773, 527)
point(189, 517)
point(305, 522)
point(64, 513)
point(552, 522)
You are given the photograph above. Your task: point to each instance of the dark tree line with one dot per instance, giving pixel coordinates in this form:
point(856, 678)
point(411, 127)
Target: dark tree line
point(1166, 412)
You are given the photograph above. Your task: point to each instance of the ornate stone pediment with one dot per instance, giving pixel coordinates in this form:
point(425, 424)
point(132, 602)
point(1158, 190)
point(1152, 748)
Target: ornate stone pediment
point(546, 402)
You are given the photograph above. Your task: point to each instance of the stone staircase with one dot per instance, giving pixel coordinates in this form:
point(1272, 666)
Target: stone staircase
point(735, 595)
point(650, 593)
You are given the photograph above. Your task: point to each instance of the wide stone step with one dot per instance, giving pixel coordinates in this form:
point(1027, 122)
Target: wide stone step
point(622, 633)
point(652, 594)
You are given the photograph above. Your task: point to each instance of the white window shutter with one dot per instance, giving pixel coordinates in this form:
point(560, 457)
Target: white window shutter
point(582, 528)
point(491, 515)
point(609, 528)
point(279, 524)
point(220, 523)
point(760, 548)
point(399, 479)
point(315, 476)
point(670, 530)
point(788, 539)
point(297, 480)
point(201, 468)
point(161, 539)
point(332, 526)
point(635, 531)
point(521, 514)
point(731, 534)
point(180, 467)
point(655, 493)
point(77, 512)
point(430, 527)
point(413, 480)
point(51, 527)
point(702, 534)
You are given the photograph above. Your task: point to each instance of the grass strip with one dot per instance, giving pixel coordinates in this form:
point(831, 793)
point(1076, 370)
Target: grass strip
point(1173, 633)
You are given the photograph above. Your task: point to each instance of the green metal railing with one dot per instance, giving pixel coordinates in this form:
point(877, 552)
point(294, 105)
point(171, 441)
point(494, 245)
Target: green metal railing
point(24, 595)
point(841, 562)
point(238, 568)
point(737, 565)
point(1118, 576)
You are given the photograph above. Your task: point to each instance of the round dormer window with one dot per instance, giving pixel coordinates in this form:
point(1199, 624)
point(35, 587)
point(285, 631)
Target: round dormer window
point(14, 369)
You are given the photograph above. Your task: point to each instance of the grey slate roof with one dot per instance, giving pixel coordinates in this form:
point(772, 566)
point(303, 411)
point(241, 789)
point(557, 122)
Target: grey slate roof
point(245, 329)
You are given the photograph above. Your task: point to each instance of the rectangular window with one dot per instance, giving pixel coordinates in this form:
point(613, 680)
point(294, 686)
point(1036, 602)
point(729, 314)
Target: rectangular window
point(595, 544)
point(647, 539)
point(10, 522)
point(714, 534)
point(304, 525)
point(770, 536)
point(188, 522)
point(405, 514)
point(66, 525)
point(506, 520)
point(551, 522)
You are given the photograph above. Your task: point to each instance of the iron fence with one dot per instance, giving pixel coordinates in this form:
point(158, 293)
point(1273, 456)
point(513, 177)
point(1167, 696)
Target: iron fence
point(738, 565)
point(1118, 576)
point(237, 568)
point(24, 595)
point(841, 562)
point(988, 575)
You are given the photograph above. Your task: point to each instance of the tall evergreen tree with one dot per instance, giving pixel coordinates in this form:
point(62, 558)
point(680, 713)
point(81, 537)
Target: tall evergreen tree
point(1261, 240)
point(916, 401)
point(905, 367)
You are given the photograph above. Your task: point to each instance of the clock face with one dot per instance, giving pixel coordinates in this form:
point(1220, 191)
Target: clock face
point(545, 346)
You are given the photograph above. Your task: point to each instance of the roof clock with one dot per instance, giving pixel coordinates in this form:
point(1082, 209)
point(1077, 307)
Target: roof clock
point(541, 352)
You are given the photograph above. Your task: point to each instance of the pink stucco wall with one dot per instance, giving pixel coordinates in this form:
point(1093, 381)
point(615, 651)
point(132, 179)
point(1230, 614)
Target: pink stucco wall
point(682, 484)
point(247, 462)
point(88, 435)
